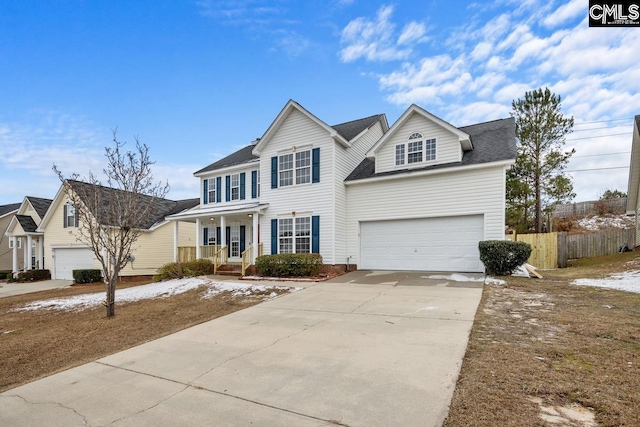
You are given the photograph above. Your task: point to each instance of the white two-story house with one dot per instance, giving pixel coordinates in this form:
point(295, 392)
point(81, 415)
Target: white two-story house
point(417, 196)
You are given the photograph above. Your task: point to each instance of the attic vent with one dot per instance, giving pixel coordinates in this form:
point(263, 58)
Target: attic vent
point(416, 135)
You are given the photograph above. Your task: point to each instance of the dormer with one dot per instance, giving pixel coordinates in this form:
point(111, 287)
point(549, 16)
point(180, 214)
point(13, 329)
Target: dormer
point(419, 139)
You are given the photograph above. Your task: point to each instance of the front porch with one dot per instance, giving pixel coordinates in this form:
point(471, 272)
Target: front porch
point(24, 238)
point(228, 235)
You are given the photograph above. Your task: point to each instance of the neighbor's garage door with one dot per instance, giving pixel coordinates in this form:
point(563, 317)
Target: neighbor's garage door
point(427, 244)
point(66, 260)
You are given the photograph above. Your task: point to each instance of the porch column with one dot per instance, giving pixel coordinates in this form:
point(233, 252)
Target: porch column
point(175, 241)
point(24, 254)
point(41, 251)
point(223, 231)
point(27, 264)
point(198, 237)
point(15, 255)
point(254, 229)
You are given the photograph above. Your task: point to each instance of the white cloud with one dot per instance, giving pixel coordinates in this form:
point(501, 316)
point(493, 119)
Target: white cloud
point(566, 12)
point(412, 32)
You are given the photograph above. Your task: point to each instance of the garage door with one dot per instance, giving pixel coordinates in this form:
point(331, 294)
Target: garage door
point(66, 260)
point(427, 244)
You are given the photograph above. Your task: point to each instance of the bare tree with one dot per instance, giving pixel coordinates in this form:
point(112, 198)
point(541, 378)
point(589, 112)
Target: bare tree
point(109, 219)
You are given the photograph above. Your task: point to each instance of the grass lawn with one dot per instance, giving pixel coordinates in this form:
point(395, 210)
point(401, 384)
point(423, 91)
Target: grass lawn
point(543, 352)
point(34, 344)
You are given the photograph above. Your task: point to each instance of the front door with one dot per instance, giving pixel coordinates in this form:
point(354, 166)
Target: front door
point(235, 241)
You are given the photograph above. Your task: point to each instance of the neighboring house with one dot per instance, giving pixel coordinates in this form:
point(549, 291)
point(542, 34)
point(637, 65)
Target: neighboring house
point(633, 190)
point(63, 253)
point(25, 241)
point(417, 196)
point(6, 250)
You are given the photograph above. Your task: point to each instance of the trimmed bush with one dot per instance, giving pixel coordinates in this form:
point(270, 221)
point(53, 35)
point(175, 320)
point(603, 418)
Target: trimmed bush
point(502, 257)
point(289, 265)
point(87, 276)
point(4, 274)
point(33, 275)
point(178, 270)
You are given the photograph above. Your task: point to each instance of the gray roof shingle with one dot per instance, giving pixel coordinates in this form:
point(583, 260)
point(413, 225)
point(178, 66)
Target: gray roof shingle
point(492, 142)
point(40, 205)
point(243, 155)
point(160, 207)
point(27, 223)
point(351, 129)
point(5, 209)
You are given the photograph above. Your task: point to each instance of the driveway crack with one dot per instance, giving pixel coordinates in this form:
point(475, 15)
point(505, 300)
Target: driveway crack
point(84, 419)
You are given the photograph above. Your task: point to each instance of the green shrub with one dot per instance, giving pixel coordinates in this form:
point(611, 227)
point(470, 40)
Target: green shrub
point(4, 274)
point(178, 270)
point(289, 265)
point(33, 275)
point(87, 276)
point(198, 267)
point(502, 257)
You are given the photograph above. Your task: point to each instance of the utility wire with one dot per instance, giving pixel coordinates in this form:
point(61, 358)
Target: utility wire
point(601, 136)
point(604, 127)
point(601, 154)
point(602, 121)
point(597, 169)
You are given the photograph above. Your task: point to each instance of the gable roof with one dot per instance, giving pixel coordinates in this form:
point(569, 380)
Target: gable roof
point(161, 207)
point(7, 209)
point(415, 109)
point(27, 223)
point(493, 141)
point(40, 205)
point(243, 155)
point(633, 187)
point(350, 130)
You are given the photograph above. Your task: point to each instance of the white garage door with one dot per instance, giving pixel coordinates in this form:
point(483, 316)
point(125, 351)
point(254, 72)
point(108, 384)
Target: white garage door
point(427, 244)
point(67, 260)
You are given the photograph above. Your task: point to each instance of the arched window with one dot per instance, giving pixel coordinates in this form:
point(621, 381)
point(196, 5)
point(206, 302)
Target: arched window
point(417, 149)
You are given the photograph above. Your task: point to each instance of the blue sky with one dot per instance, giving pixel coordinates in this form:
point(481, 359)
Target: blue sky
point(195, 80)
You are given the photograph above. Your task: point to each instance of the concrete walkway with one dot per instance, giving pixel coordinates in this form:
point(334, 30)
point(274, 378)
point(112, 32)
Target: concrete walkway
point(11, 289)
point(366, 349)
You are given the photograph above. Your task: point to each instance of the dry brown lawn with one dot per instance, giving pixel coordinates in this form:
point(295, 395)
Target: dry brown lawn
point(548, 353)
point(34, 344)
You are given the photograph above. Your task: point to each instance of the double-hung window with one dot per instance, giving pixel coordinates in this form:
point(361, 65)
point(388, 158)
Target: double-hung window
point(15, 242)
point(294, 168)
point(285, 166)
point(294, 235)
point(211, 190)
point(235, 186)
point(303, 167)
point(416, 150)
point(70, 216)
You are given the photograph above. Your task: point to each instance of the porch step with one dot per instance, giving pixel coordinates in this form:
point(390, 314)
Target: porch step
point(230, 270)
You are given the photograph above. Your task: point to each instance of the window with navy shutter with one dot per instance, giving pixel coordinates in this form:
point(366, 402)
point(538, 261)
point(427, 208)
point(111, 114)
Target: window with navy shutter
point(315, 234)
point(242, 238)
point(205, 191)
point(274, 172)
point(227, 182)
point(218, 191)
point(205, 236)
point(243, 180)
point(274, 236)
point(254, 184)
point(315, 165)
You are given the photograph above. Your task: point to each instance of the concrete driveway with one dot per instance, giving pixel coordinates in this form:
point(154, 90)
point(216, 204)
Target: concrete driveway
point(11, 289)
point(366, 349)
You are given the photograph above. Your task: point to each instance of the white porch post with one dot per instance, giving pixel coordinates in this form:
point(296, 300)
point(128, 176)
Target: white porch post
point(223, 231)
point(41, 251)
point(175, 241)
point(24, 254)
point(27, 264)
point(15, 255)
point(198, 237)
point(256, 221)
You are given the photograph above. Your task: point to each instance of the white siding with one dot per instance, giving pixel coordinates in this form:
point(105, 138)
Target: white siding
point(346, 160)
point(476, 191)
point(308, 199)
point(246, 169)
point(448, 148)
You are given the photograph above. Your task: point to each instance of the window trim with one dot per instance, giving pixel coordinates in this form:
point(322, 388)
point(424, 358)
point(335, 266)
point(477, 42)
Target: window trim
point(234, 187)
point(70, 208)
point(294, 237)
point(211, 190)
point(297, 172)
point(402, 159)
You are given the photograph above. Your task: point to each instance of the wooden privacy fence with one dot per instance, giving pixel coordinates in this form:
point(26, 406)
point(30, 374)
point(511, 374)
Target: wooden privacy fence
point(544, 249)
point(553, 250)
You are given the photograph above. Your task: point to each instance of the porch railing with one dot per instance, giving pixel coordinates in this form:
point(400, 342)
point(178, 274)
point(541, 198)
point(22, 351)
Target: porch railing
point(247, 257)
point(219, 257)
point(259, 249)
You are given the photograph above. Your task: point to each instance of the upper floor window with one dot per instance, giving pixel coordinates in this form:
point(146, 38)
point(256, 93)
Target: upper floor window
point(211, 190)
point(235, 186)
point(70, 216)
point(295, 168)
point(417, 150)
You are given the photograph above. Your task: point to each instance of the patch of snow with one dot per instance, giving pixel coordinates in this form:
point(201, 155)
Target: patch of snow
point(597, 222)
point(457, 277)
point(625, 281)
point(153, 290)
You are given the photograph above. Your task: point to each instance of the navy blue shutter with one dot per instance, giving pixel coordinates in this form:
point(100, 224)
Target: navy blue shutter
point(274, 236)
point(254, 184)
point(243, 184)
point(315, 165)
point(242, 238)
point(205, 191)
point(64, 216)
point(218, 236)
point(218, 190)
point(205, 236)
point(228, 233)
point(227, 181)
point(274, 172)
point(315, 234)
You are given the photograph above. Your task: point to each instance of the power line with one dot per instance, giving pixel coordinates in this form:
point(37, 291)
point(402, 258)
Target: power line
point(602, 121)
point(597, 169)
point(601, 154)
point(604, 127)
point(601, 136)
